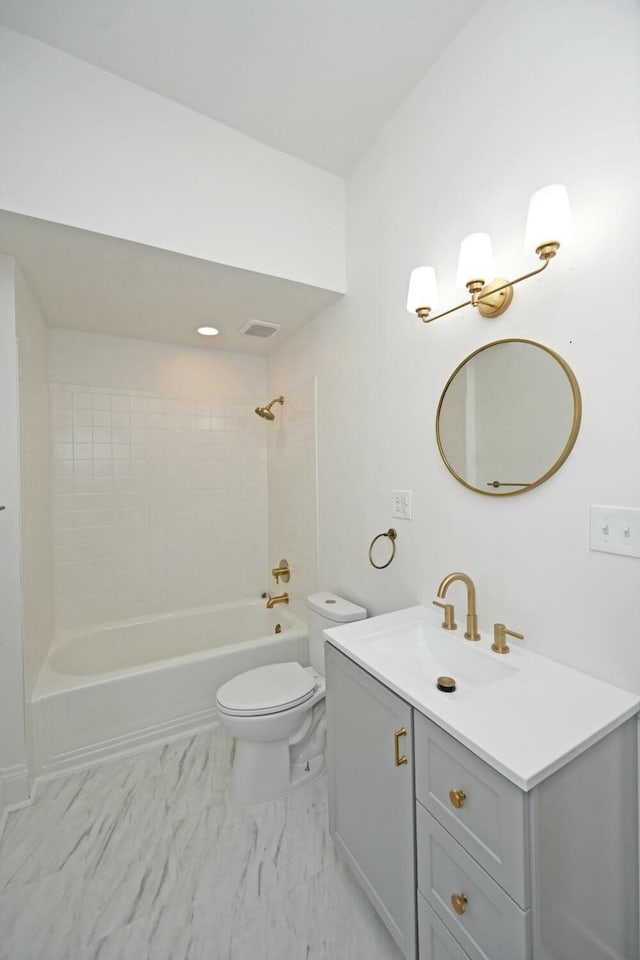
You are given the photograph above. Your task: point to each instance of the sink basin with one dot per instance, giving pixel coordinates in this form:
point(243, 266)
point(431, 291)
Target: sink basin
point(428, 652)
point(523, 713)
point(409, 648)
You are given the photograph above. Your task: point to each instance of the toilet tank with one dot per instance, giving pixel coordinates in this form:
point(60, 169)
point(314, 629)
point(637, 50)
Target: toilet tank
point(328, 610)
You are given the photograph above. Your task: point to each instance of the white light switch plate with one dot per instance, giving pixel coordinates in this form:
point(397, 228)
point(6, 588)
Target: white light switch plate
point(401, 504)
point(615, 530)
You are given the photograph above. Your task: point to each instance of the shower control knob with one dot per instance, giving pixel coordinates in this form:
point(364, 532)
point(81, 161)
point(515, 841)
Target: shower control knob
point(281, 572)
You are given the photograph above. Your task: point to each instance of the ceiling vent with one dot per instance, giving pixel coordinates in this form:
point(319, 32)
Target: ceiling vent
point(259, 328)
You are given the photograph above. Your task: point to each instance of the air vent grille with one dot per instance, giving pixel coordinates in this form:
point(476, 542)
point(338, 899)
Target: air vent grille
point(259, 328)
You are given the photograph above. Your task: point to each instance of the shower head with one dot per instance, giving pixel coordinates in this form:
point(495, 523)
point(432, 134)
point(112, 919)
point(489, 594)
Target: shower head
point(265, 412)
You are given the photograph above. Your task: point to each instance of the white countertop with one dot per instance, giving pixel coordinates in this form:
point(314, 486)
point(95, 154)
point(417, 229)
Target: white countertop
point(526, 724)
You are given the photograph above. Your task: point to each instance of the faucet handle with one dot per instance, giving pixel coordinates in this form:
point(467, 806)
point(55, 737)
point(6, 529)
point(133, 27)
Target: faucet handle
point(281, 572)
point(500, 633)
point(449, 622)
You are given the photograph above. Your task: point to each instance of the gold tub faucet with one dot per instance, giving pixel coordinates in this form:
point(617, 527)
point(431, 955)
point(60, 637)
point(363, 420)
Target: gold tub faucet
point(271, 602)
point(472, 616)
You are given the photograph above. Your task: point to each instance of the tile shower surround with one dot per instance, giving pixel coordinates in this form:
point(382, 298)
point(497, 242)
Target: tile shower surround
point(158, 502)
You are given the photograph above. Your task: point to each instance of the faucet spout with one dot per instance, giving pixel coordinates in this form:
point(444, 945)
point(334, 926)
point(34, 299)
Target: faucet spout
point(472, 616)
point(271, 602)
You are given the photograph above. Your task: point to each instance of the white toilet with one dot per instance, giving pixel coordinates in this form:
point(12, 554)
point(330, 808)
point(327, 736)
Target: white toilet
point(277, 714)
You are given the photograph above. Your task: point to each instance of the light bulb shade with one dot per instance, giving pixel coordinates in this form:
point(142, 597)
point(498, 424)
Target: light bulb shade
point(476, 259)
point(549, 219)
point(423, 289)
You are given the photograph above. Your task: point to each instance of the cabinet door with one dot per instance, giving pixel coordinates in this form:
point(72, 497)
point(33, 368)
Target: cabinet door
point(371, 799)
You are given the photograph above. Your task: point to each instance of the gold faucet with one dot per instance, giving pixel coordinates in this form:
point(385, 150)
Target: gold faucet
point(282, 571)
point(472, 617)
point(500, 633)
point(271, 602)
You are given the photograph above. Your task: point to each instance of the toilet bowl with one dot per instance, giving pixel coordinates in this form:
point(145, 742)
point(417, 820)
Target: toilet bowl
point(277, 714)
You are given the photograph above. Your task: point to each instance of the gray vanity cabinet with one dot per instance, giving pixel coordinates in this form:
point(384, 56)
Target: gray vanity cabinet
point(502, 873)
point(371, 791)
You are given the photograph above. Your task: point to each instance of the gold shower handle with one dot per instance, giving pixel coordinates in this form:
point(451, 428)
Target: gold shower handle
point(281, 571)
point(400, 760)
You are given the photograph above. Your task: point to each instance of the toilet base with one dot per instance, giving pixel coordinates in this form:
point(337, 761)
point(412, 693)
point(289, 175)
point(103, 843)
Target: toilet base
point(266, 771)
point(263, 772)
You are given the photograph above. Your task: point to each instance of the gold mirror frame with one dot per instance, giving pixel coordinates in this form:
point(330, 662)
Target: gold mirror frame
point(573, 434)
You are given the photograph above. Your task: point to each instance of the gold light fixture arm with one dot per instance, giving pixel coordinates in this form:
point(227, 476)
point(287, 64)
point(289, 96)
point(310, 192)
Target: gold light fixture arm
point(488, 292)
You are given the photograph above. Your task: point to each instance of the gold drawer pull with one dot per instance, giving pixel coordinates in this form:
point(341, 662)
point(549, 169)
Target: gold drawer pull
point(399, 733)
point(457, 798)
point(459, 903)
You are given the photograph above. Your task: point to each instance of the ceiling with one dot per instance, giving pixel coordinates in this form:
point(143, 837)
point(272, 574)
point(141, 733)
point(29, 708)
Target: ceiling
point(316, 80)
point(87, 281)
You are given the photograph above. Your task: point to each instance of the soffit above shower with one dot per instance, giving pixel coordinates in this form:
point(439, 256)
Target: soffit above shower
point(317, 81)
point(98, 284)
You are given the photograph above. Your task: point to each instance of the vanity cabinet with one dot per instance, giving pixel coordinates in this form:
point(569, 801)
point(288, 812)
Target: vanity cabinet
point(502, 873)
point(371, 791)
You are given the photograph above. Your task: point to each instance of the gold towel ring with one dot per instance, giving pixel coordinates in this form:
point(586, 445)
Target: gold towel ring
point(392, 534)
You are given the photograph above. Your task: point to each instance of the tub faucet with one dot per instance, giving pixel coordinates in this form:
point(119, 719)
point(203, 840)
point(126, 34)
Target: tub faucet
point(271, 602)
point(472, 617)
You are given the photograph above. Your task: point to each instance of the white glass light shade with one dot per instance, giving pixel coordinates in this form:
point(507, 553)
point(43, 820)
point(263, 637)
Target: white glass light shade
point(476, 259)
point(549, 219)
point(423, 289)
point(208, 331)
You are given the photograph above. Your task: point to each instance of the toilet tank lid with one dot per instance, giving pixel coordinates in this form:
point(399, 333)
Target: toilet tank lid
point(335, 608)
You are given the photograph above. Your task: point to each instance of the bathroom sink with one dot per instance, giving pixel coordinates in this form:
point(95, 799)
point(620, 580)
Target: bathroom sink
point(522, 713)
point(425, 651)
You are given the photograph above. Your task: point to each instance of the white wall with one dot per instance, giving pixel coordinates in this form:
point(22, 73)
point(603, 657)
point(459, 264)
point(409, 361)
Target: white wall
point(35, 456)
point(13, 755)
point(84, 148)
point(160, 477)
point(528, 94)
point(293, 502)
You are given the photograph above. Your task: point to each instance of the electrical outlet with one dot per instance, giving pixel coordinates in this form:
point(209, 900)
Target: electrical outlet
point(615, 530)
point(401, 504)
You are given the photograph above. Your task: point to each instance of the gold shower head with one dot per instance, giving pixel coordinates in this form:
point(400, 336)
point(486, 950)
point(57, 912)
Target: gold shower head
point(265, 412)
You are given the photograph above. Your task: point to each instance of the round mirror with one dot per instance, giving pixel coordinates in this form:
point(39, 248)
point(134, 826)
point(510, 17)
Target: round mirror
point(508, 417)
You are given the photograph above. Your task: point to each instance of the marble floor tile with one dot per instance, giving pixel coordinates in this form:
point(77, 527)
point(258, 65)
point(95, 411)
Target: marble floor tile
point(166, 934)
point(131, 866)
point(325, 918)
point(47, 836)
point(231, 857)
point(145, 858)
point(196, 772)
point(39, 921)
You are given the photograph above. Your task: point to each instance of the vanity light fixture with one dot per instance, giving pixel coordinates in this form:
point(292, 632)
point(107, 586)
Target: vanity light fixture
point(549, 227)
point(208, 331)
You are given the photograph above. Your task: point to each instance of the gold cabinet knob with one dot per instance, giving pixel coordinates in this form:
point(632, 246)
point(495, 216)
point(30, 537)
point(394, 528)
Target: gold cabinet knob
point(459, 903)
point(457, 798)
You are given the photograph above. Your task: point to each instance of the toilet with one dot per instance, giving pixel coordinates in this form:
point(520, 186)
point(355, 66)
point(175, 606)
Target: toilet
point(277, 714)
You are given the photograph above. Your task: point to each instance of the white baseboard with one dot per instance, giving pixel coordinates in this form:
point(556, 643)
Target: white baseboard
point(58, 764)
point(14, 790)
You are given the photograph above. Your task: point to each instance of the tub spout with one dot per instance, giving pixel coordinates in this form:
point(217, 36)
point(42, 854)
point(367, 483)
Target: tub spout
point(271, 602)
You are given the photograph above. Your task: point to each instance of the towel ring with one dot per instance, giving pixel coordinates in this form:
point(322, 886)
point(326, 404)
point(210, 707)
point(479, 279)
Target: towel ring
point(392, 534)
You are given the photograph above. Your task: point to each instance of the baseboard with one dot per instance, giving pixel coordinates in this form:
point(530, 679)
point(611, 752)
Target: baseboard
point(14, 790)
point(124, 746)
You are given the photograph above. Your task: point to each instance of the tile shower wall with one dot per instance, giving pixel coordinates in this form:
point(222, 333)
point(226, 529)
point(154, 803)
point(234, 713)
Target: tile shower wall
point(293, 491)
point(159, 502)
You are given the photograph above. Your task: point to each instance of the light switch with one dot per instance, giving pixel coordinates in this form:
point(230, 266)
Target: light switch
point(615, 530)
point(401, 504)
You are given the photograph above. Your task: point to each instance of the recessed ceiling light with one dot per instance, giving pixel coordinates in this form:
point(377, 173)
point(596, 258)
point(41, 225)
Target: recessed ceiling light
point(208, 331)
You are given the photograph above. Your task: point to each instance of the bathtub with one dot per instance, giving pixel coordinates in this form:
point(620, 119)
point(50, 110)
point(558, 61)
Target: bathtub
point(112, 689)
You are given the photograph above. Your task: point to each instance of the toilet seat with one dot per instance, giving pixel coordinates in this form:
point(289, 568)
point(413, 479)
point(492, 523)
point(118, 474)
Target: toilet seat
point(265, 690)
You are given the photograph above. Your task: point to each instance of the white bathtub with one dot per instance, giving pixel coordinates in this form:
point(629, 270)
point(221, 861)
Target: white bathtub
point(111, 689)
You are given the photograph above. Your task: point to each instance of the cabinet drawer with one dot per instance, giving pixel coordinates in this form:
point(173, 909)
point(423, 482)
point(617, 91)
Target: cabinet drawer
point(492, 926)
point(435, 941)
point(492, 821)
